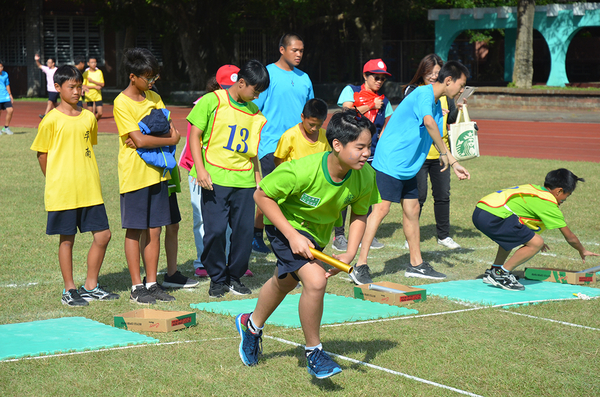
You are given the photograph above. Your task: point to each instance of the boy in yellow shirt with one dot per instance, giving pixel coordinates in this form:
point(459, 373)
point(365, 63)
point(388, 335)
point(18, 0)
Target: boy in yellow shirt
point(143, 187)
point(73, 195)
point(306, 137)
point(93, 80)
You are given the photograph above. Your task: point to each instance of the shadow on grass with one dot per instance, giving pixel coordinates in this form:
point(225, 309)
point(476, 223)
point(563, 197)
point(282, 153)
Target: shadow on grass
point(457, 232)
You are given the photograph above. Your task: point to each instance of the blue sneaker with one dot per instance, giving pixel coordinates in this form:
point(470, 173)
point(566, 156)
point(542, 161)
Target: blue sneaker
point(251, 344)
point(259, 246)
point(320, 365)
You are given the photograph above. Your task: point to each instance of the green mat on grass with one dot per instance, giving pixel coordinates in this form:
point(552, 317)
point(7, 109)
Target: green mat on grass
point(61, 335)
point(337, 309)
point(476, 291)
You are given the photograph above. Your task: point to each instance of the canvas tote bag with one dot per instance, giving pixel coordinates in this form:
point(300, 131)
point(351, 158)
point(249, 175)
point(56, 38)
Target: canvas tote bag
point(464, 144)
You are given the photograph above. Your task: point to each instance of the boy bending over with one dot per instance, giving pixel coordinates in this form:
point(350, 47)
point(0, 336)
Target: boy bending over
point(512, 217)
point(301, 201)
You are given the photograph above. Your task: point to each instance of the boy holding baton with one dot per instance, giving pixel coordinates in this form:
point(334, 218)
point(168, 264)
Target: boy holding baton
point(301, 201)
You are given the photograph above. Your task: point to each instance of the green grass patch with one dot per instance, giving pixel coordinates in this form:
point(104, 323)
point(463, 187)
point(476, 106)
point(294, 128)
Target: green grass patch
point(490, 352)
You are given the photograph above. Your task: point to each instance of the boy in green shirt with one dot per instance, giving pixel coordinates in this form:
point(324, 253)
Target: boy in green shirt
point(512, 217)
point(301, 201)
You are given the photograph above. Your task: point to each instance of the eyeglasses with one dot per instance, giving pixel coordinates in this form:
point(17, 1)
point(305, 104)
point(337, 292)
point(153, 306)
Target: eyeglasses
point(151, 79)
point(378, 78)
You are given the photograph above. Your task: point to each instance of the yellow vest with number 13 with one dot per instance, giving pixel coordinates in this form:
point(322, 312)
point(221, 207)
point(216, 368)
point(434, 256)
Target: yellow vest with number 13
point(234, 137)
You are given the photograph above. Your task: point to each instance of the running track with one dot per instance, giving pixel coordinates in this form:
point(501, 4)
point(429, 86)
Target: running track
point(523, 139)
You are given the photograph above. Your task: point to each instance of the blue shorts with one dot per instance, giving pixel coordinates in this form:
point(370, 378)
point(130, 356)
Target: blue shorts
point(53, 96)
point(287, 262)
point(5, 105)
point(267, 164)
point(508, 233)
point(394, 190)
point(87, 219)
point(147, 207)
point(98, 103)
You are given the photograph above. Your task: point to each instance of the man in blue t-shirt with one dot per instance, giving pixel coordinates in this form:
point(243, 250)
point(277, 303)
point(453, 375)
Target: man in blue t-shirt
point(401, 151)
point(282, 104)
point(6, 100)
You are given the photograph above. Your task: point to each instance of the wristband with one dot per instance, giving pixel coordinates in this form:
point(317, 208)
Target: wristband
point(444, 154)
point(453, 163)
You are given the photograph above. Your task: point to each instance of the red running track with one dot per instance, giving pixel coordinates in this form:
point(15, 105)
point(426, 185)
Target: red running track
point(522, 139)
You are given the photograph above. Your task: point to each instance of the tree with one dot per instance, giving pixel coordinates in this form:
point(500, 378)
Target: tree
point(523, 70)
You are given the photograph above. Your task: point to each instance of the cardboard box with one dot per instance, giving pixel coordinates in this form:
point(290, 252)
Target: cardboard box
point(409, 295)
point(155, 320)
point(559, 275)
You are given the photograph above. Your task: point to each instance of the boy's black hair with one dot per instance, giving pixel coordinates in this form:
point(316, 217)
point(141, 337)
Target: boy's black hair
point(79, 60)
point(562, 178)
point(347, 125)
point(255, 74)
point(66, 73)
point(453, 69)
point(287, 38)
point(140, 62)
point(316, 108)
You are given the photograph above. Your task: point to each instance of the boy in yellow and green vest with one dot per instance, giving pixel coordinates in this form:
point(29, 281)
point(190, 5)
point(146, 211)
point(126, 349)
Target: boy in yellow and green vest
point(224, 136)
point(514, 216)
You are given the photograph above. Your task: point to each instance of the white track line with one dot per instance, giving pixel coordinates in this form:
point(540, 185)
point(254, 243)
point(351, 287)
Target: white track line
point(390, 371)
point(554, 321)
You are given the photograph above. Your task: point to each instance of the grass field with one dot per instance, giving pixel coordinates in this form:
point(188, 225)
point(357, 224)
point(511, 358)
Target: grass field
point(483, 351)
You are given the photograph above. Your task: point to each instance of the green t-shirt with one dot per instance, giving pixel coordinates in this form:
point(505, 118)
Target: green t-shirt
point(203, 117)
point(532, 207)
point(311, 201)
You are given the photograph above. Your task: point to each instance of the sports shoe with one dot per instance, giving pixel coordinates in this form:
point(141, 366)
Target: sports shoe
point(248, 273)
point(424, 270)
point(237, 288)
point(449, 243)
point(487, 273)
point(7, 131)
point(361, 275)
point(157, 293)
point(217, 290)
point(340, 243)
point(178, 280)
point(375, 244)
point(72, 298)
point(320, 365)
point(259, 246)
point(504, 280)
point(97, 294)
point(201, 272)
point(405, 246)
point(141, 295)
point(251, 344)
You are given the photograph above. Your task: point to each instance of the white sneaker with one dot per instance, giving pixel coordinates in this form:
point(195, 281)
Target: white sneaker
point(7, 131)
point(449, 243)
point(405, 246)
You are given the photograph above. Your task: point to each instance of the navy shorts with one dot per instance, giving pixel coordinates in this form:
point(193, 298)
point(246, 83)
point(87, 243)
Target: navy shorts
point(147, 207)
point(174, 209)
point(87, 219)
point(267, 164)
point(98, 103)
point(394, 190)
point(287, 262)
point(508, 233)
point(53, 96)
point(5, 105)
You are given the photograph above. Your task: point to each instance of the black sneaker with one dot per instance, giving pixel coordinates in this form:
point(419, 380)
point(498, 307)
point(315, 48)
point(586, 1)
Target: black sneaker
point(488, 272)
point(178, 280)
point(142, 296)
point(340, 243)
point(237, 288)
point(97, 294)
point(157, 292)
point(504, 280)
point(320, 365)
point(217, 290)
point(424, 270)
point(361, 275)
point(72, 298)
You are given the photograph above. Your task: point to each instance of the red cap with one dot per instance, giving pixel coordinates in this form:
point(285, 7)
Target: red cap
point(376, 66)
point(227, 75)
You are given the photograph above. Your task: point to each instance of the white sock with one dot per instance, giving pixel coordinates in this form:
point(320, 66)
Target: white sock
point(148, 285)
point(133, 287)
point(309, 349)
point(503, 268)
point(253, 328)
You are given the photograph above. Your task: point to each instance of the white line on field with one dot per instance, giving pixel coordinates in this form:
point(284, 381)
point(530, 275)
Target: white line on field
point(554, 321)
point(390, 371)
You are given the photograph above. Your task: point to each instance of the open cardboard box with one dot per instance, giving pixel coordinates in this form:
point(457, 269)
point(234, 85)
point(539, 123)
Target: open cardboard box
point(155, 320)
point(408, 294)
point(559, 275)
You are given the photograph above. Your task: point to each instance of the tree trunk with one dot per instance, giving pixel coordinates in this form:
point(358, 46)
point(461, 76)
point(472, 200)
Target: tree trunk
point(371, 33)
point(523, 70)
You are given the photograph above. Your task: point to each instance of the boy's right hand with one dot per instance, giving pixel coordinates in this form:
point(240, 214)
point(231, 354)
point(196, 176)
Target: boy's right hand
point(174, 135)
point(36, 57)
point(585, 253)
point(301, 245)
point(203, 179)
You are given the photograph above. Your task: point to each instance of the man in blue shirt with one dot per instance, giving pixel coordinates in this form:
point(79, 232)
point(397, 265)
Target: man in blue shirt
point(6, 100)
point(282, 105)
point(401, 151)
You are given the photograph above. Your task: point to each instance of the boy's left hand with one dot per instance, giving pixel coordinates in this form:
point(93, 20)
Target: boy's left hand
point(585, 253)
point(129, 142)
point(345, 257)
